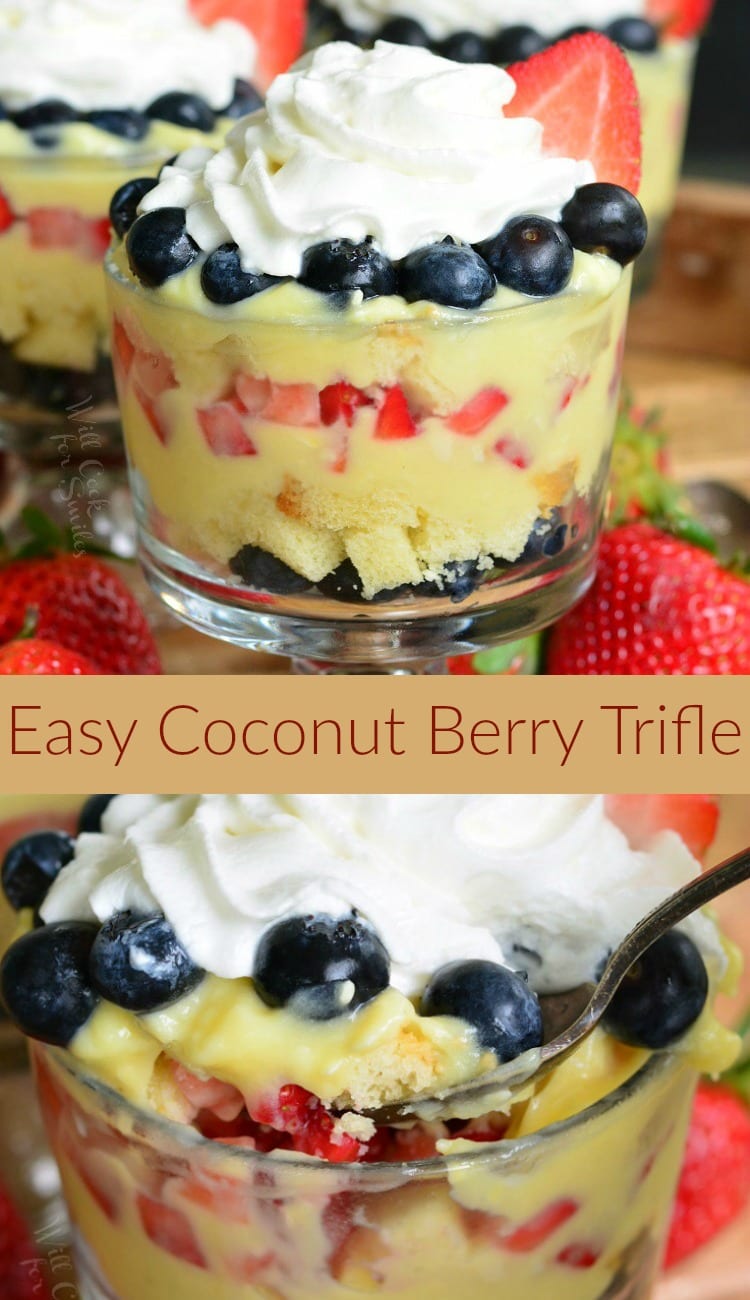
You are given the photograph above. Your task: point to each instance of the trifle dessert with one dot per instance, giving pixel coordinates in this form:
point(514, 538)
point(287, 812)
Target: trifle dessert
point(368, 353)
point(223, 989)
point(94, 93)
point(658, 36)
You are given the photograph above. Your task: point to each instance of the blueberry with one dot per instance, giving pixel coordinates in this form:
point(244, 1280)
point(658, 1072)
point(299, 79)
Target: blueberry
point(465, 47)
point(124, 206)
point(319, 966)
point(90, 816)
point(159, 246)
point(48, 112)
point(125, 122)
point(260, 569)
point(603, 218)
point(138, 963)
point(340, 264)
point(531, 255)
point(183, 110)
point(45, 983)
point(246, 99)
point(546, 539)
point(31, 865)
point(404, 31)
point(514, 44)
point(498, 1003)
point(344, 583)
point(458, 580)
point(224, 281)
point(451, 274)
point(661, 996)
point(636, 34)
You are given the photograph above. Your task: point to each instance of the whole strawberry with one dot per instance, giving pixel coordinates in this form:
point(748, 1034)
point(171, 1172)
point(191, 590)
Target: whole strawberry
point(658, 606)
point(20, 1274)
point(36, 658)
point(714, 1185)
point(78, 601)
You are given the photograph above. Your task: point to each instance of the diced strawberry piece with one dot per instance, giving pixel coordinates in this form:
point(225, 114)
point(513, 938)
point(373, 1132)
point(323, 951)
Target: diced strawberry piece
point(249, 1267)
point(170, 1230)
point(694, 817)
point(304, 1117)
point(679, 18)
point(7, 216)
point(294, 404)
point(341, 402)
point(478, 412)
point(153, 373)
point(225, 1198)
point(158, 424)
point(95, 238)
point(278, 28)
point(531, 1234)
point(484, 1227)
point(54, 227)
point(584, 94)
point(253, 392)
point(223, 428)
point(513, 450)
point(579, 1255)
point(395, 420)
point(123, 348)
point(223, 1099)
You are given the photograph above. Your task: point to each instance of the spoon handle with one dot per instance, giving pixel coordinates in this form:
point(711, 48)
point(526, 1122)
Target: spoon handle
point(733, 871)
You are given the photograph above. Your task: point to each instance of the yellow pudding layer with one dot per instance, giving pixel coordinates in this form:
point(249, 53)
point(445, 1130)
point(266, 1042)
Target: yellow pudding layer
point(664, 81)
point(313, 494)
point(53, 308)
point(224, 1030)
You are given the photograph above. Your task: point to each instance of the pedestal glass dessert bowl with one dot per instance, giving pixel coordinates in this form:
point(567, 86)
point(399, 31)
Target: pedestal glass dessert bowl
point(260, 1062)
point(391, 444)
point(90, 97)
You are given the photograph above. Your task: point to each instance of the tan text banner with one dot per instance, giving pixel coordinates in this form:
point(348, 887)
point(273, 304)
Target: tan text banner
point(374, 734)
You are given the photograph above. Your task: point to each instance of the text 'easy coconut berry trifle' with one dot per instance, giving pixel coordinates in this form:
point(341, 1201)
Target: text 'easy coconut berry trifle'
point(92, 93)
point(368, 353)
point(658, 36)
point(222, 988)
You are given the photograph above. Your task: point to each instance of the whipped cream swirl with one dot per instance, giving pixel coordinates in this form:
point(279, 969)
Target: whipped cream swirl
point(545, 883)
point(393, 143)
point(102, 54)
point(440, 18)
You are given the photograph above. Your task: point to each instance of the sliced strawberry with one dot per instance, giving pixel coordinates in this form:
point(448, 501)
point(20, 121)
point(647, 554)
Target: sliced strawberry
point(514, 451)
point(695, 818)
point(395, 420)
point(294, 404)
point(341, 402)
point(248, 1268)
point(304, 1117)
point(584, 94)
point(153, 373)
point(123, 348)
point(478, 412)
point(54, 227)
point(253, 392)
point(7, 216)
point(95, 238)
point(579, 1255)
point(535, 1231)
point(223, 428)
point(278, 28)
point(154, 417)
point(170, 1230)
point(679, 18)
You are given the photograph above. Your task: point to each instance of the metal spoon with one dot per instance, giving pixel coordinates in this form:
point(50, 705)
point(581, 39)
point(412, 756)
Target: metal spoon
point(569, 1017)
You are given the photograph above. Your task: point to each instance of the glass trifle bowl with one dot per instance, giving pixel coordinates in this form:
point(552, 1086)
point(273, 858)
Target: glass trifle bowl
point(91, 96)
point(224, 990)
point(659, 38)
point(353, 454)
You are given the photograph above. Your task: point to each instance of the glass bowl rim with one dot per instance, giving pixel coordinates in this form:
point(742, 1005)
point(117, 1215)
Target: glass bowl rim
point(150, 1125)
